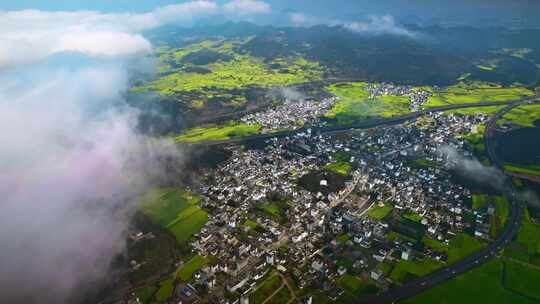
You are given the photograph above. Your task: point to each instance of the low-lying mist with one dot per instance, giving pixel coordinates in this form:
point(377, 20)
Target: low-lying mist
point(72, 168)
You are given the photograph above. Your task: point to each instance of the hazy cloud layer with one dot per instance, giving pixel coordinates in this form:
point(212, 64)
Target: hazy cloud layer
point(247, 7)
point(71, 170)
point(375, 25)
point(32, 35)
point(472, 168)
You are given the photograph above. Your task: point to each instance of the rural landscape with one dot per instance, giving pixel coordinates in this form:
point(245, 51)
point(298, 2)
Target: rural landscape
point(252, 152)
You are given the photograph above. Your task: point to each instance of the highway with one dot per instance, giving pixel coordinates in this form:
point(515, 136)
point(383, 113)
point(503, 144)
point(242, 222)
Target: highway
point(361, 125)
point(511, 229)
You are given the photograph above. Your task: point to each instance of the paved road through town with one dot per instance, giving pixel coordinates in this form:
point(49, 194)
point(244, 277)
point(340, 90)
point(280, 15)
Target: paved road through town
point(361, 125)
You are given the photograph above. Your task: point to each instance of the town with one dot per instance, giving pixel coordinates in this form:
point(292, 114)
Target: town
point(311, 208)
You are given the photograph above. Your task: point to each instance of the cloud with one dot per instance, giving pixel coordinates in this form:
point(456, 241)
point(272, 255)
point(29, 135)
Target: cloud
point(472, 168)
point(300, 19)
point(72, 168)
point(31, 35)
point(246, 7)
point(377, 25)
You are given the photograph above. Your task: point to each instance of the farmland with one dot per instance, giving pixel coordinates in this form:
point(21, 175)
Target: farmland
point(228, 131)
point(476, 92)
point(175, 210)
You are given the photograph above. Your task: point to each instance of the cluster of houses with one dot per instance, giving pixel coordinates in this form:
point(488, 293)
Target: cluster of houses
point(417, 97)
point(290, 115)
point(263, 217)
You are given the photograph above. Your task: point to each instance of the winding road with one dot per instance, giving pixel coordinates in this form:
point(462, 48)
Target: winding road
point(360, 125)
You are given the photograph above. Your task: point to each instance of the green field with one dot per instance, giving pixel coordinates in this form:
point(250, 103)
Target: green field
point(435, 244)
point(146, 294)
point(379, 212)
point(343, 168)
point(522, 279)
point(229, 70)
point(477, 110)
point(393, 236)
point(524, 116)
point(475, 92)
point(481, 285)
point(175, 210)
point(527, 245)
point(165, 291)
point(498, 220)
point(413, 216)
point(463, 245)
point(355, 103)
point(229, 131)
point(355, 287)
point(265, 289)
point(406, 270)
point(185, 272)
point(533, 170)
point(480, 201)
point(251, 224)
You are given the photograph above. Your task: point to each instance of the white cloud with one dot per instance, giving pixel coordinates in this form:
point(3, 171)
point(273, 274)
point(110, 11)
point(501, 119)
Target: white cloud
point(75, 165)
point(32, 35)
point(247, 7)
point(377, 25)
point(300, 19)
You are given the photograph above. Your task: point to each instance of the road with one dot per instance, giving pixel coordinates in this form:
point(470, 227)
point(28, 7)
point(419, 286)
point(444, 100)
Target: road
point(505, 237)
point(361, 125)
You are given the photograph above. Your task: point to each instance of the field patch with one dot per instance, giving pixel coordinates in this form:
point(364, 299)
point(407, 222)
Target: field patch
point(343, 168)
point(476, 92)
point(522, 279)
point(229, 131)
point(463, 245)
point(185, 272)
point(480, 285)
point(175, 210)
point(406, 270)
point(524, 116)
point(355, 287)
point(380, 212)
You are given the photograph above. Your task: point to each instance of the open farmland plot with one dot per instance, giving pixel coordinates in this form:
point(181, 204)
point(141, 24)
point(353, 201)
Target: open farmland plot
point(175, 210)
point(522, 279)
point(214, 67)
point(471, 93)
point(229, 131)
point(524, 116)
point(481, 285)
